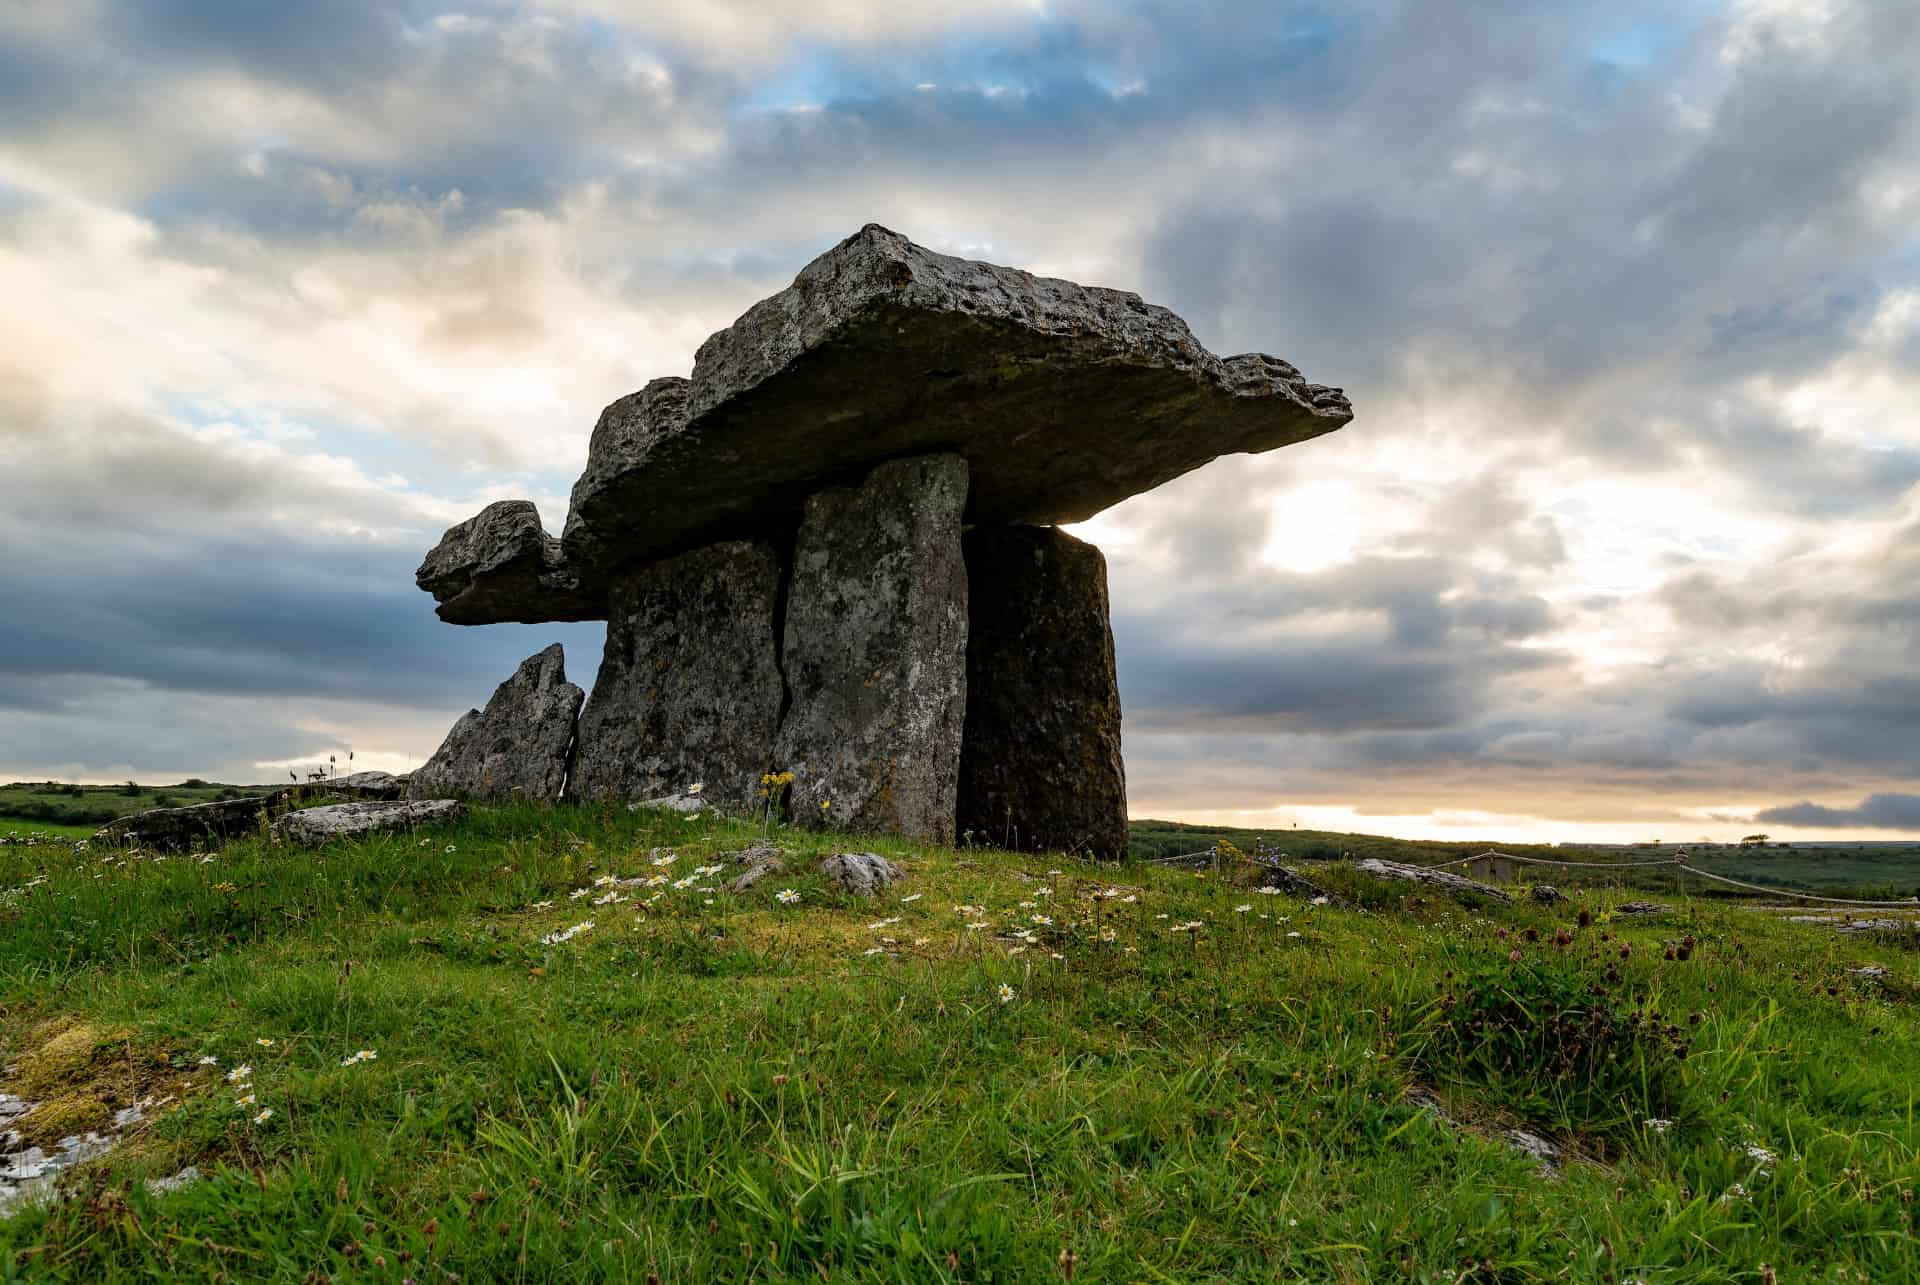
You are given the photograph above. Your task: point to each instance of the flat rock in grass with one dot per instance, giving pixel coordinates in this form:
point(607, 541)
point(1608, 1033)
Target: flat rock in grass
point(1632, 908)
point(875, 653)
point(1545, 894)
point(764, 868)
point(1534, 1147)
point(861, 874)
point(689, 686)
point(517, 747)
point(1459, 885)
point(688, 803)
point(1063, 399)
point(764, 850)
point(357, 820)
point(1040, 767)
point(178, 829)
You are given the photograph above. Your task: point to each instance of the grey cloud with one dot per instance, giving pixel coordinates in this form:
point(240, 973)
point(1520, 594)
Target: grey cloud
point(1875, 812)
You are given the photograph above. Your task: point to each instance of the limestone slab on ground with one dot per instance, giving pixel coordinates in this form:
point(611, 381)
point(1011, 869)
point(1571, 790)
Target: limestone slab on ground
point(517, 747)
point(357, 820)
point(178, 829)
point(1062, 398)
point(875, 652)
point(1458, 884)
point(1040, 766)
point(689, 689)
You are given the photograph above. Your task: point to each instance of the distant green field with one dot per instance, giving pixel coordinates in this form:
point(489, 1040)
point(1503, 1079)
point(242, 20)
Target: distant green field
point(1877, 871)
point(43, 803)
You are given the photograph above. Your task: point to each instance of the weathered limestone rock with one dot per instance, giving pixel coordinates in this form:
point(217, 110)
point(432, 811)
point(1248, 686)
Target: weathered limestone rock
point(1441, 879)
point(356, 820)
point(760, 870)
point(1063, 399)
point(514, 749)
point(875, 652)
point(689, 688)
point(501, 565)
point(369, 785)
point(1040, 765)
point(178, 829)
point(860, 874)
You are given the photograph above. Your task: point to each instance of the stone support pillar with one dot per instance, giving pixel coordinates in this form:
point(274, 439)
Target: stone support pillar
point(1040, 769)
point(875, 652)
point(689, 690)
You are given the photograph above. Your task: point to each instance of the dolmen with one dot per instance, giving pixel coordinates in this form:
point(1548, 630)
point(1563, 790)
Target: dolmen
point(834, 551)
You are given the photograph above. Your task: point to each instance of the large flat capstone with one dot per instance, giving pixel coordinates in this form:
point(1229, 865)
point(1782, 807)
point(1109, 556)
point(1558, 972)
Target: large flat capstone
point(689, 687)
point(1040, 766)
point(516, 748)
point(876, 651)
point(1063, 399)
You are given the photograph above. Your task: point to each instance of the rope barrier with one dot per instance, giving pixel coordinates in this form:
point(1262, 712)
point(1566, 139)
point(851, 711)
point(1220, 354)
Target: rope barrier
point(1542, 861)
point(1675, 863)
point(1910, 903)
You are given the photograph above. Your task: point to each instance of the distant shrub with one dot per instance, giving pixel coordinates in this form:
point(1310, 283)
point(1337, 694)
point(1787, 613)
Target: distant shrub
point(194, 783)
point(131, 790)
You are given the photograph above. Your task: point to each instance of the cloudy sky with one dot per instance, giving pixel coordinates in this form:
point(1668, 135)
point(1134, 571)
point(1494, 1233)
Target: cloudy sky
point(1624, 541)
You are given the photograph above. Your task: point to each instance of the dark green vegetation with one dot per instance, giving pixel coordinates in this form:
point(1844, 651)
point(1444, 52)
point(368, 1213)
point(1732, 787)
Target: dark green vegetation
point(35, 804)
point(1864, 870)
point(704, 1086)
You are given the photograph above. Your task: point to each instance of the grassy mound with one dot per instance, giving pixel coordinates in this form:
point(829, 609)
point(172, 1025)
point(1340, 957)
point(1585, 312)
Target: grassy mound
point(551, 1045)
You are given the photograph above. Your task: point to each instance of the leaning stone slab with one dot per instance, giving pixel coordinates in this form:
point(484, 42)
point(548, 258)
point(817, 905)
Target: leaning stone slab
point(1460, 885)
point(875, 653)
point(1040, 767)
point(1062, 398)
point(501, 565)
point(517, 747)
point(689, 687)
point(177, 829)
point(356, 820)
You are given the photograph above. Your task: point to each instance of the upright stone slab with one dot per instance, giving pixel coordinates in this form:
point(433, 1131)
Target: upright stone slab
point(689, 688)
point(875, 652)
point(1040, 768)
point(517, 747)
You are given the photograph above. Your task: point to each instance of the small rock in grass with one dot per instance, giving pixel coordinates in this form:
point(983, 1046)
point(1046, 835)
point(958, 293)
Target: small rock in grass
point(1545, 894)
point(1534, 1146)
point(1290, 883)
point(859, 873)
point(759, 870)
point(185, 1178)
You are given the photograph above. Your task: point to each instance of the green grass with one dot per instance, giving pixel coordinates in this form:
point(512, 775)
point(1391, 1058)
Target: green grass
point(736, 1091)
